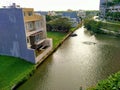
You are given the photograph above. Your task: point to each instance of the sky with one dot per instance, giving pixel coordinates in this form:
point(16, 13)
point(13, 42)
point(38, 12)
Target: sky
point(54, 5)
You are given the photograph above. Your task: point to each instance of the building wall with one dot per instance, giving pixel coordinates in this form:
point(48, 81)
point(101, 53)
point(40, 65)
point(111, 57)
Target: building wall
point(12, 35)
point(29, 15)
point(114, 9)
point(102, 7)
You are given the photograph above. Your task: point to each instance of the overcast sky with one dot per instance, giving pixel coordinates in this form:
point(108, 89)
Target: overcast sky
point(49, 5)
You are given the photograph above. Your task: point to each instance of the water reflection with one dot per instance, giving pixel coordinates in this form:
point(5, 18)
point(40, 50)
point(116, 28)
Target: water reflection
point(77, 64)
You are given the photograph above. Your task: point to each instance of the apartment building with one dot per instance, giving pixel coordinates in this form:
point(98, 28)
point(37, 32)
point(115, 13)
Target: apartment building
point(106, 7)
point(102, 7)
point(114, 8)
point(23, 34)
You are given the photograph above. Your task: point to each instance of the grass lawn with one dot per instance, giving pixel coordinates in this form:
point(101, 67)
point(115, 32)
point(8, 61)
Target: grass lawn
point(57, 37)
point(13, 70)
point(115, 22)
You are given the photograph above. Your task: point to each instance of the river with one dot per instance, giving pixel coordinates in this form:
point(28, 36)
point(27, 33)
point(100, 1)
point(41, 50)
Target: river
point(80, 61)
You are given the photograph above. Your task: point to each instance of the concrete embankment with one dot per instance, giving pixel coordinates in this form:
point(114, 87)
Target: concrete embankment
point(110, 32)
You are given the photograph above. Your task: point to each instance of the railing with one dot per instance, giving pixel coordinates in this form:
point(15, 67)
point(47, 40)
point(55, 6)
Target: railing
point(28, 33)
point(32, 18)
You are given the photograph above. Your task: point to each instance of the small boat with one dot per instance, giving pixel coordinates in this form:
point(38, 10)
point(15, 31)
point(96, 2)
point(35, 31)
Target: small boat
point(73, 34)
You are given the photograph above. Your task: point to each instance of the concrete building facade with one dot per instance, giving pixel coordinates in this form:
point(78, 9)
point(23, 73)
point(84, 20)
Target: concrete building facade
point(104, 7)
point(23, 34)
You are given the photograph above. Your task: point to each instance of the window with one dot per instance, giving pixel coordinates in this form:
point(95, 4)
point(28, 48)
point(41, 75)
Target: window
point(41, 24)
point(37, 38)
point(37, 24)
point(30, 13)
point(30, 26)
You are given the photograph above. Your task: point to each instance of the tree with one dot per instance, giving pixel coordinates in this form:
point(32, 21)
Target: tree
point(116, 2)
point(49, 18)
point(59, 24)
point(92, 25)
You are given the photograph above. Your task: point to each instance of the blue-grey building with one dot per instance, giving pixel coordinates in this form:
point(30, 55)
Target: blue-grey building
point(103, 7)
point(42, 12)
point(23, 33)
point(73, 17)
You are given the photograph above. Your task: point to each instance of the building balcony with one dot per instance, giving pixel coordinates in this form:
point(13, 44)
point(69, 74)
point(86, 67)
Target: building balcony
point(38, 45)
point(32, 32)
point(44, 50)
point(32, 18)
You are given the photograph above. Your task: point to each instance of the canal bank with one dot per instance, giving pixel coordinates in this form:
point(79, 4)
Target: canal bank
point(59, 43)
point(54, 49)
point(109, 32)
point(77, 64)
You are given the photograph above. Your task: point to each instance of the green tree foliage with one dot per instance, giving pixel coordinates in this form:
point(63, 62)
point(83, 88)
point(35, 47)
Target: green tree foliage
point(113, 15)
point(49, 18)
point(111, 83)
point(91, 13)
point(116, 1)
point(92, 25)
point(108, 4)
point(59, 24)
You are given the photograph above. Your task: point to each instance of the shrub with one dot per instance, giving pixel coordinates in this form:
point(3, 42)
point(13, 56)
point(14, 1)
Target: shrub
point(111, 83)
point(93, 25)
point(59, 24)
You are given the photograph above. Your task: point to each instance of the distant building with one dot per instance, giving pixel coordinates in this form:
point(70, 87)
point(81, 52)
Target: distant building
point(105, 7)
point(81, 13)
point(69, 10)
point(44, 13)
point(52, 13)
point(73, 18)
point(23, 34)
point(115, 8)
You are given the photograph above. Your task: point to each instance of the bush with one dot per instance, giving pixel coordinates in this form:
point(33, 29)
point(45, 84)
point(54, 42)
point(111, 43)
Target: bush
point(92, 25)
point(59, 24)
point(111, 83)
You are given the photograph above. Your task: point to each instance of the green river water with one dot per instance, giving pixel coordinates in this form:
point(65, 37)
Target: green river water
point(80, 61)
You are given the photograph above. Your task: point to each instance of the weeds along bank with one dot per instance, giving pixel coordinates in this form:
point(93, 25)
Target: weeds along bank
point(102, 27)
